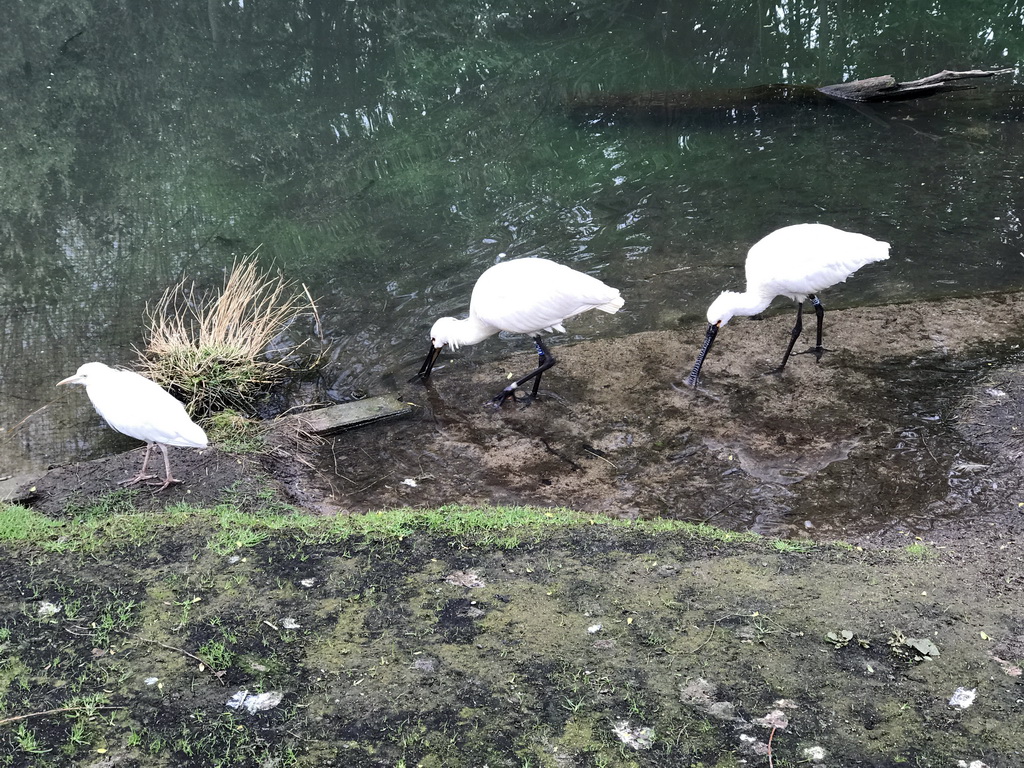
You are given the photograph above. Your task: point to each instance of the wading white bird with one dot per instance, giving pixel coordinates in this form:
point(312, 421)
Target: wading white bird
point(522, 296)
point(140, 408)
point(798, 262)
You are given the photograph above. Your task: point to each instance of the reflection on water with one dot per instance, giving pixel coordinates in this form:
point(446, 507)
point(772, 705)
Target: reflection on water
point(385, 157)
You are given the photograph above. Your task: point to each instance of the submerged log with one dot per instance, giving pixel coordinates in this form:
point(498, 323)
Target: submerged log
point(668, 104)
point(358, 413)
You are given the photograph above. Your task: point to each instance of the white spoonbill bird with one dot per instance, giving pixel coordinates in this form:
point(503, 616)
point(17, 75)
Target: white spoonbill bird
point(522, 296)
point(140, 408)
point(797, 261)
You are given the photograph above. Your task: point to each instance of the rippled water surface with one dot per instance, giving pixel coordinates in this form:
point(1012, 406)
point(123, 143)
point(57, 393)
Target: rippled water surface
point(385, 157)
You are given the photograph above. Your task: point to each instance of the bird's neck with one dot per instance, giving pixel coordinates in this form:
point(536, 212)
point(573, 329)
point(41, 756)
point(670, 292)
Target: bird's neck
point(469, 331)
point(747, 303)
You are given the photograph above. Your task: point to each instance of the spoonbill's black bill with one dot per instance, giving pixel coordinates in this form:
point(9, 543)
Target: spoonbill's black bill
point(799, 262)
point(521, 296)
point(140, 408)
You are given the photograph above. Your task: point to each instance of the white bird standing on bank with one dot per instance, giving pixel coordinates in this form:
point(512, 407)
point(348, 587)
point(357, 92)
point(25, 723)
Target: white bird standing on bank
point(522, 296)
point(140, 408)
point(798, 262)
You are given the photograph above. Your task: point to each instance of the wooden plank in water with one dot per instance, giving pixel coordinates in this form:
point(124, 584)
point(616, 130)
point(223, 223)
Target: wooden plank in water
point(358, 413)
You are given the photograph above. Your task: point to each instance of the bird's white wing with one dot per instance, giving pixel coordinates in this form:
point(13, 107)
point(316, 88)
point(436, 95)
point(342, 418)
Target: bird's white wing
point(808, 258)
point(533, 295)
point(140, 408)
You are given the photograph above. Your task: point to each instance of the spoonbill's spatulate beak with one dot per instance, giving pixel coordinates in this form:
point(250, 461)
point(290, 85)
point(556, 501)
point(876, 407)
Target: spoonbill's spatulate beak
point(709, 339)
point(428, 364)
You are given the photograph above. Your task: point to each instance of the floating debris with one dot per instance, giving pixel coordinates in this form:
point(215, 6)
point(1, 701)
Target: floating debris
point(257, 702)
point(637, 737)
point(963, 697)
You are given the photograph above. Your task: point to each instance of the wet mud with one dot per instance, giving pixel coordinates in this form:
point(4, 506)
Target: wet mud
point(896, 429)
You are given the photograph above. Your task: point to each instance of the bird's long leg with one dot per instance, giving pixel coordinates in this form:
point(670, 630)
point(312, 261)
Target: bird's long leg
point(542, 364)
point(142, 472)
point(795, 335)
point(168, 480)
point(544, 359)
point(819, 310)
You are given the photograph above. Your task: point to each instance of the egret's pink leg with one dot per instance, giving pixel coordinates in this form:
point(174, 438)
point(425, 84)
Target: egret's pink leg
point(167, 467)
point(142, 472)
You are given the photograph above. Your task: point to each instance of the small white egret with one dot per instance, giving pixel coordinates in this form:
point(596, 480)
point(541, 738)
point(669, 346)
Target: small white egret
point(522, 296)
point(798, 262)
point(140, 408)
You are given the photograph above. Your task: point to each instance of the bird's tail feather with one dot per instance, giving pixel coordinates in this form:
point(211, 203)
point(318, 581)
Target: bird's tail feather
point(612, 306)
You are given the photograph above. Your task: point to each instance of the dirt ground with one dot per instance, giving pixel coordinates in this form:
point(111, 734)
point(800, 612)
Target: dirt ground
point(903, 443)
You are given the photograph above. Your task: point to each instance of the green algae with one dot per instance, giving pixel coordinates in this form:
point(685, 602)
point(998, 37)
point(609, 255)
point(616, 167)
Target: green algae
point(424, 638)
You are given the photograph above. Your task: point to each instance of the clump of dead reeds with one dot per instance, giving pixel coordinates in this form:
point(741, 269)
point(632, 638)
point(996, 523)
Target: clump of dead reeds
point(212, 351)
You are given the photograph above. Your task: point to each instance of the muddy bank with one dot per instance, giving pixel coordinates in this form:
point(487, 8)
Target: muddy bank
point(908, 425)
point(880, 437)
point(592, 645)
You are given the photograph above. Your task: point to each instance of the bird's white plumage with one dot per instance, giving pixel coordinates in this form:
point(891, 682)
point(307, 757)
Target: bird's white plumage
point(796, 261)
point(138, 407)
point(525, 296)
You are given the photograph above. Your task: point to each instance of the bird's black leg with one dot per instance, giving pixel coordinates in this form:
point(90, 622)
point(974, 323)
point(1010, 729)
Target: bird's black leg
point(542, 364)
point(819, 310)
point(795, 335)
point(818, 349)
point(544, 361)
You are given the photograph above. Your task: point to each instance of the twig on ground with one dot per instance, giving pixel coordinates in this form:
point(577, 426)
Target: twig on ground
point(14, 719)
point(219, 675)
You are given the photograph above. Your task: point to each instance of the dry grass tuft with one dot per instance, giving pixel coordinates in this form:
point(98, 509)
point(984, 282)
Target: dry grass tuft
point(212, 352)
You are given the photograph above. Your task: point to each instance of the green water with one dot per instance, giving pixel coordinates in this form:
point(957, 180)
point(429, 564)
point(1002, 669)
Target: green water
point(384, 155)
